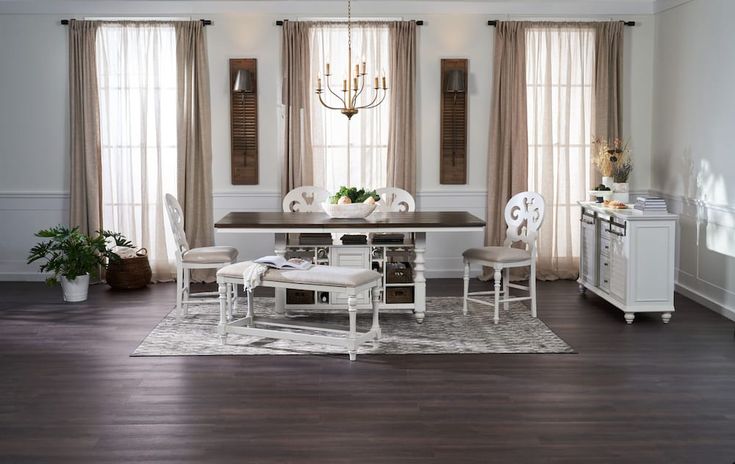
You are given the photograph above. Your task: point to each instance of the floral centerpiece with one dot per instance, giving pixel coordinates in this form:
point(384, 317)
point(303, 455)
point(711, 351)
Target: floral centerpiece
point(349, 202)
point(613, 160)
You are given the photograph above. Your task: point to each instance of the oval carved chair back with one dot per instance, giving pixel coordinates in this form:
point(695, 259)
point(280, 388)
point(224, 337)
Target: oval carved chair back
point(394, 199)
point(524, 214)
point(307, 199)
point(176, 219)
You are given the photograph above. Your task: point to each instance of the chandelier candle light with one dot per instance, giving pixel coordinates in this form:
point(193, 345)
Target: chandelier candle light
point(351, 88)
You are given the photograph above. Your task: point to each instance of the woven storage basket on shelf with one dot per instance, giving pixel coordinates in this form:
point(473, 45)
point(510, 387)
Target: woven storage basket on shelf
point(130, 273)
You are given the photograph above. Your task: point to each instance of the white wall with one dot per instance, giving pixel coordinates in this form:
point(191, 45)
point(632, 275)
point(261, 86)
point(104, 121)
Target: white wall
point(693, 162)
point(33, 102)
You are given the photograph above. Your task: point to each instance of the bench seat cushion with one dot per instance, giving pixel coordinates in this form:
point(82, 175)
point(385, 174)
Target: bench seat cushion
point(317, 275)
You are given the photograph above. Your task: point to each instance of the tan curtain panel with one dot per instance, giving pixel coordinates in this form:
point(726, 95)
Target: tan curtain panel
point(85, 209)
point(508, 145)
point(608, 79)
point(194, 136)
point(298, 169)
point(402, 120)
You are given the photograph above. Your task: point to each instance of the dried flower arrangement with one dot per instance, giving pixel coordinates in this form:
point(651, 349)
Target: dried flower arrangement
point(612, 159)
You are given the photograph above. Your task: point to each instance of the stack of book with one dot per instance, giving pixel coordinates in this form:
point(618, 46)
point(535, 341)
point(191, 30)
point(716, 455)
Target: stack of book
point(354, 239)
point(388, 238)
point(315, 239)
point(651, 205)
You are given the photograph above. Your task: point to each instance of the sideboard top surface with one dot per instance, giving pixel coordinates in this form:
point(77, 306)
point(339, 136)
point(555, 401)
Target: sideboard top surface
point(629, 214)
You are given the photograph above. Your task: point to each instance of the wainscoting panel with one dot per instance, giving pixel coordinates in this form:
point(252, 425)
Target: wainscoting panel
point(705, 269)
point(23, 214)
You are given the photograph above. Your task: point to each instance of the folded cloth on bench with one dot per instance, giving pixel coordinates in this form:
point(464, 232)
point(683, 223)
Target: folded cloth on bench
point(318, 275)
point(253, 275)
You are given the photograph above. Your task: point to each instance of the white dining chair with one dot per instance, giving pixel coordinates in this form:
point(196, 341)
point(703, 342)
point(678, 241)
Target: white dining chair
point(306, 199)
point(212, 257)
point(393, 199)
point(524, 215)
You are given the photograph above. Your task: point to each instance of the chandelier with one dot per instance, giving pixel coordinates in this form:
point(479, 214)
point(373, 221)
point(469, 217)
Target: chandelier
point(353, 87)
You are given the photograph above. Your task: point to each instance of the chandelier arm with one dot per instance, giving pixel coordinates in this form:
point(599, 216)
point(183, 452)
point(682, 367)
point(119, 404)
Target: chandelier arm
point(321, 100)
point(375, 97)
point(329, 87)
point(385, 92)
point(357, 94)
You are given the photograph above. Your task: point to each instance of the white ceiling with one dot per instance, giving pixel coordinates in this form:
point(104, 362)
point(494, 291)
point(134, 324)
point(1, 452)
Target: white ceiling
point(360, 7)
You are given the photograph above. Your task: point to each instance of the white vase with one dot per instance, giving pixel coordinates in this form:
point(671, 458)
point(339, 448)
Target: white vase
point(608, 182)
point(620, 192)
point(76, 289)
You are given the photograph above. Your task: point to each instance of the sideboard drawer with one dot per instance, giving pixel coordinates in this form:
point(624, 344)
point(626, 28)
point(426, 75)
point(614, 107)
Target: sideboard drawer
point(605, 273)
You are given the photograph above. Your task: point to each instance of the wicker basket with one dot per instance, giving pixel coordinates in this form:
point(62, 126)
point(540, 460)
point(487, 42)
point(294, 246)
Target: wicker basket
point(130, 273)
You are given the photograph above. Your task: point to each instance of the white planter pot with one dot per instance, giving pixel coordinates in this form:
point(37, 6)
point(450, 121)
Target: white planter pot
point(75, 290)
point(608, 182)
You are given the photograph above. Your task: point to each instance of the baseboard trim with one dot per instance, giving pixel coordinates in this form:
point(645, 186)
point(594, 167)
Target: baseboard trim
point(22, 277)
point(706, 301)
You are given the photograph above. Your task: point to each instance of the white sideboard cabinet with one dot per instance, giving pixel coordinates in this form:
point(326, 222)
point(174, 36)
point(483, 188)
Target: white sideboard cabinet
point(627, 258)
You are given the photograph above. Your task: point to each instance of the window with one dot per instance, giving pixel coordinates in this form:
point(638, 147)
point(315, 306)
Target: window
point(559, 72)
point(136, 70)
point(349, 152)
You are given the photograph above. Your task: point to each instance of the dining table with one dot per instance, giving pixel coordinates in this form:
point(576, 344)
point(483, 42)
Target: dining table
point(418, 223)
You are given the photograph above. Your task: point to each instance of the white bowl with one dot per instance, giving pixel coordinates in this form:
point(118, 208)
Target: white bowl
point(349, 211)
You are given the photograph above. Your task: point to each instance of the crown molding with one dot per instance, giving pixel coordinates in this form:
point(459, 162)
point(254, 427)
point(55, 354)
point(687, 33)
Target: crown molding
point(659, 6)
point(291, 8)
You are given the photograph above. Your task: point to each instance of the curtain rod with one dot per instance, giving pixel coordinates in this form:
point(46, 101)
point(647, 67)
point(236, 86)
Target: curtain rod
point(205, 22)
point(419, 22)
point(494, 23)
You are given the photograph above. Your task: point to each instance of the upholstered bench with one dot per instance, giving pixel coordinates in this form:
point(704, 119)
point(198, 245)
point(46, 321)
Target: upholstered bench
point(347, 281)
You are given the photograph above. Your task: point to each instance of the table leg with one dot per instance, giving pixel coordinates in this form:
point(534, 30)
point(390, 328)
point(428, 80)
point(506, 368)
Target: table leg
point(419, 280)
point(281, 292)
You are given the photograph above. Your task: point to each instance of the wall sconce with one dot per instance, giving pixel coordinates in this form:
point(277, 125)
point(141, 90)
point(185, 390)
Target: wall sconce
point(244, 121)
point(453, 135)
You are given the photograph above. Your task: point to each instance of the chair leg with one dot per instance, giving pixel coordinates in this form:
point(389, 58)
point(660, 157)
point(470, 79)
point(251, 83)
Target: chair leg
point(179, 292)
point(506, 288)
point(187, 290)
point(229, 301)
point(532, 288)
point(222, 327)
point(351, 338)
point(496, 305)
point(466, 286)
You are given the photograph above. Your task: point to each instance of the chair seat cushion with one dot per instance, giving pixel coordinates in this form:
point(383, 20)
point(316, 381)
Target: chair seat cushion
point(497, 254)
point(333, 276)
point(210, 255)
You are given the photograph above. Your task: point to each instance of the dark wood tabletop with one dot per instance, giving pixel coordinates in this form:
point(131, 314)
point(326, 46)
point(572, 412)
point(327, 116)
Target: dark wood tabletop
point(418, 219)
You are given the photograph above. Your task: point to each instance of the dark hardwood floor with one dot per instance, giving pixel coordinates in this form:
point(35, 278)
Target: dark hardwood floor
point(645, 393)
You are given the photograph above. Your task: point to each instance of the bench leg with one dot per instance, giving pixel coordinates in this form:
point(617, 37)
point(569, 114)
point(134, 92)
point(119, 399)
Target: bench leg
point(251, 311)
point(222, 327)
point(376, 317)
point(351, 338)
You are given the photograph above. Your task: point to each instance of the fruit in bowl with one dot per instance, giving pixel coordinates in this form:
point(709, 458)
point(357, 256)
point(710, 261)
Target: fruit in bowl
point(601, 193)
point(350, 202)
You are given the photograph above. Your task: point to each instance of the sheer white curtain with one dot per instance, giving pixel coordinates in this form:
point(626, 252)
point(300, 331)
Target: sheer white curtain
point(560, 61)
point(136, 68)
point(352, 152)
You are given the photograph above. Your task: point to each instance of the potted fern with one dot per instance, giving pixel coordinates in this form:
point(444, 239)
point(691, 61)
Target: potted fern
point(72, 257)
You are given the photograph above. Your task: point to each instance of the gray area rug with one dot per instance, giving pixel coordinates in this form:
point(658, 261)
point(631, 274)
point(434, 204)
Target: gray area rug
point(444, 331)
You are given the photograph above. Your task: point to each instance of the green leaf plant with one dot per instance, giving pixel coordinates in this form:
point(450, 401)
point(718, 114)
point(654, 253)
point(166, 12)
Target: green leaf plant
point(70, 253)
